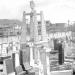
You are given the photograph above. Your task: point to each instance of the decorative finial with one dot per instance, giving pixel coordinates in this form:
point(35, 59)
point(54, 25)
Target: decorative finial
point(32, 4)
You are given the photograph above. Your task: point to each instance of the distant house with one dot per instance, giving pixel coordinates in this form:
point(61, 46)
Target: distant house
point(58, 30)
point(57, 27)
point(8, 27)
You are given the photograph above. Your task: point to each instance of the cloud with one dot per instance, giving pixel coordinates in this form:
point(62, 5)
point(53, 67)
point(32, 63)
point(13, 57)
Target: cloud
point(12, 8)
point(54, 10)
point(59, 11)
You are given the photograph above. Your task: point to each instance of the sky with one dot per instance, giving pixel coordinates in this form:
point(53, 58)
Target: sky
point(54, 10)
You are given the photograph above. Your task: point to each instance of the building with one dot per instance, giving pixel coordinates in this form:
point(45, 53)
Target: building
point(9, 27)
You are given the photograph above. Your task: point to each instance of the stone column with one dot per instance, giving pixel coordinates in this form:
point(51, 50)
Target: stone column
point(48, 63)
point(35, 34)
point(31, 26)
point(43, 27)
point(24, 29)
point(31, 56)
point(36, 38)
point(43, 60)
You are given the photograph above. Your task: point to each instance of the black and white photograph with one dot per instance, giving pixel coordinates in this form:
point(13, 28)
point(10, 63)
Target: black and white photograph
point(37, 37)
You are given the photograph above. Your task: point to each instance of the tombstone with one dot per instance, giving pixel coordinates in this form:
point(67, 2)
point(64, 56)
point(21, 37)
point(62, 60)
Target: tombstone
point(61, 54)
point(17, 61)
point(8, 66)
point(25, 55)
point(13, 59)
point(19, 71)
point(55, 44)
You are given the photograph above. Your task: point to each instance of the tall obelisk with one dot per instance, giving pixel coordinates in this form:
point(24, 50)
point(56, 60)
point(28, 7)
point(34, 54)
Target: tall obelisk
point(24, 29)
